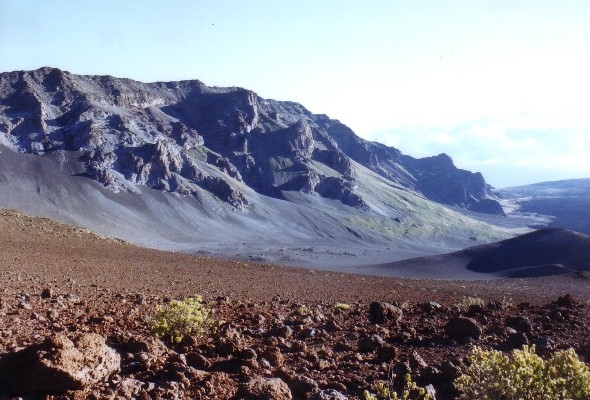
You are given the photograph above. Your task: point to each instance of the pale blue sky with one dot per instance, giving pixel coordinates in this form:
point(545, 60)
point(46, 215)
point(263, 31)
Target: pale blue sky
point(501, 86)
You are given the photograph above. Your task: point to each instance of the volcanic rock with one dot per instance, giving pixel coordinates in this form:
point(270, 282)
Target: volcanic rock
point(328, 394)
point(519, 322)
point(370, 343)
point(380, 312)
point(264, 389)
point(59, 364)
point(462, 328)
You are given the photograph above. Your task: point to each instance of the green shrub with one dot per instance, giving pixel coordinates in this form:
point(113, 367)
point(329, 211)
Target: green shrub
point(341, 306)
point(469, 301)
point(405, 390)
point(181, 318)
point(524, 375)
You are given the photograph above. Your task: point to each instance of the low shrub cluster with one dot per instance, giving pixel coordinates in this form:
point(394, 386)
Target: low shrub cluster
point(524, 375)
point(404, 390)
point(469, 301)
point(181, 318)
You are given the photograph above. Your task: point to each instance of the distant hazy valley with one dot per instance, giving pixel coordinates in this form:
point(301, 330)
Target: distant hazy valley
point(557, 204)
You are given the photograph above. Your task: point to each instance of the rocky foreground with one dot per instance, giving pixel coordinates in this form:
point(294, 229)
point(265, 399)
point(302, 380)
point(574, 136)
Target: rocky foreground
point(57, 345)
point(76, 309)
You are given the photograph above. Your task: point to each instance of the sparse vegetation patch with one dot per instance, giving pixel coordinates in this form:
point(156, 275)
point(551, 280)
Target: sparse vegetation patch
point(524, 375)
point(181, 318)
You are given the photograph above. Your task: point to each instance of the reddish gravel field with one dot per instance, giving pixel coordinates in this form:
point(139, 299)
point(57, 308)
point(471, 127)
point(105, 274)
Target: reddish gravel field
point(282, 336)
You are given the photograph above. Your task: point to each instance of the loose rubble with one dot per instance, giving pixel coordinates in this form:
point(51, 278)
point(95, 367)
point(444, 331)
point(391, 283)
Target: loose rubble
point(100, 347)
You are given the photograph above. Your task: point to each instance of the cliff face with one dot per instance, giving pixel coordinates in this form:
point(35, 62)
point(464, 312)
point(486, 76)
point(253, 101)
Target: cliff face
point(191, 139)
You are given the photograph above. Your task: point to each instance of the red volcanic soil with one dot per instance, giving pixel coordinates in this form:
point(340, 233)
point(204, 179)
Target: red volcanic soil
point(279, 322)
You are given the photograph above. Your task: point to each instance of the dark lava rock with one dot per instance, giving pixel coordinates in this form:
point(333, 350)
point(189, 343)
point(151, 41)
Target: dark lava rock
point(381, 312)
point(544, 345)
point(566, 301)
point(462, 328)
point(516, 340)
point(342, 345)
point(519, 322)
point(370, 343)
point(284, 332)
point(248, 354)
point(474, 310)
point(302, 385)
point(274, 356)
point(197, 361)
point(386, 353)
point(225, 347)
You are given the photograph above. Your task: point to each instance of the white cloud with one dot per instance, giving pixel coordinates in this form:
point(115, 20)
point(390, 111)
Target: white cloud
point(508, 153)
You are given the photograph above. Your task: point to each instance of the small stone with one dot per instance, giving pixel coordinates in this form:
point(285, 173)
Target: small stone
point(274, 356)
point(431, 392)
point(307, 333)
point(341, 345)
point(225, 347)
point(323, 365)
point(284, 332)
point(329, 394)
point(516, 340)
point(417, 362)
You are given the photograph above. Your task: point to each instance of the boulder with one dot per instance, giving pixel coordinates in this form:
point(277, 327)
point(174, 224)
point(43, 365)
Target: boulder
point(264, 389)
point(566, 301)
point(302, 385)
point(59, 364)
point(462, 328)
point(329, 394)
point(381, 312)
point(519, 322)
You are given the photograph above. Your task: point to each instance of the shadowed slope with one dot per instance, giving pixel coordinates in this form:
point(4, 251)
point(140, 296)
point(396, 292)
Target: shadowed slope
point(544, 252)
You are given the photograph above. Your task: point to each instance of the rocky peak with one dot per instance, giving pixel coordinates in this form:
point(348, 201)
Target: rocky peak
point(300, 140)
point(185, 137)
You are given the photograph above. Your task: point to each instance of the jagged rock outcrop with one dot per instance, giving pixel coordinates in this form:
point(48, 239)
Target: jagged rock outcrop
point(437, 178)
point(191, 139)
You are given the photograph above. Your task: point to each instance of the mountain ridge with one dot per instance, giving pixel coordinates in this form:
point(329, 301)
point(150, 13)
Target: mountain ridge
point(144, 133)
point(181, 166)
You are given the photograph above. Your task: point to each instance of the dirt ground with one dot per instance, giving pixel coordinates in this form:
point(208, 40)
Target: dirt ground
point(281, 322)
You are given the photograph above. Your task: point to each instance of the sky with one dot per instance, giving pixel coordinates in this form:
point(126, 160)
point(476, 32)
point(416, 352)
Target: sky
point(503, 87)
